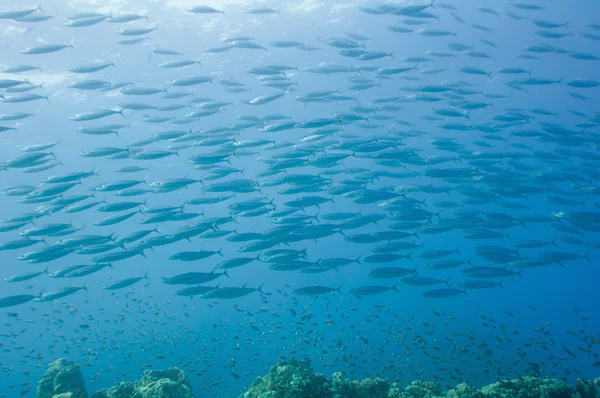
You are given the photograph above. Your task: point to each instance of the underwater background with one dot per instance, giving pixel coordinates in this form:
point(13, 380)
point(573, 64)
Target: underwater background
point(413, 186)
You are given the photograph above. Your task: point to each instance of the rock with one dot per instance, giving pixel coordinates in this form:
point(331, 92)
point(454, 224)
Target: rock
point(464, 391)
point(169, 383)
point(293, 379)
point(416, 389)
point(62, 378)
point(163, 388)
point(366, 388)
point(119, 390)
point(528, 387)
point(174, 374)
point(586, 389)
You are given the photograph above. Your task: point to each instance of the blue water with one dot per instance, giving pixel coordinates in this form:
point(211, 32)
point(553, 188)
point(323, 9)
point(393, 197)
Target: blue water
point(524, 328)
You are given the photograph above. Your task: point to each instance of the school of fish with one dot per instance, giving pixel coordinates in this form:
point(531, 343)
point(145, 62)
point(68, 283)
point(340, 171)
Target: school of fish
point(363, 170)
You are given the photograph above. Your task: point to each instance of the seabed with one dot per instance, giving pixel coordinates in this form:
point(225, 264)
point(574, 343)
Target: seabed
point(296, 379)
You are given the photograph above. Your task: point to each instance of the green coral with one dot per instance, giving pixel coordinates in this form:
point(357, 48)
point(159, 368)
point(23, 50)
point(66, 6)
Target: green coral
point(62, 379)
point(528, 387)
point(294, 379)
point(366, 388)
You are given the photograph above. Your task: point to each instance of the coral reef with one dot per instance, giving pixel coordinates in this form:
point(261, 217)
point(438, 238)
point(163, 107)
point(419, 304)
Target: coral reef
point(416, 389)
point(62, 379)
point(528, 387)
point(294, 379)
point(168, 383)
point(359, 388)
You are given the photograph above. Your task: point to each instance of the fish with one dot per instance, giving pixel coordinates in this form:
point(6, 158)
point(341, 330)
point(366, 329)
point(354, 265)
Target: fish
point(123, 283)
point(230, 292)
point(300, 179)
point(316, 290)
point(46, 48)
point(25, 277)
point(193, 278)
point(59, 293)
point(443, 293)
point(371, 290)
point(11, 301)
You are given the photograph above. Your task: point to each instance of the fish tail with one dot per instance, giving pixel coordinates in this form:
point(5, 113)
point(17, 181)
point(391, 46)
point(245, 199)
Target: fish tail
point(446, 281)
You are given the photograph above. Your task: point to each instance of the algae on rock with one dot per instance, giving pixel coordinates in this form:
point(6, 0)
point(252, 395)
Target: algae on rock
point(366, 388)
point(296, 379)
point(167, 383)
point(528, 387)
point(416, 389)
point(119, 390)
point(62, 379)
point(293, 379)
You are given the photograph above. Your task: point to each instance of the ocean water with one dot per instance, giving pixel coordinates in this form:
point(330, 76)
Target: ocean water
point(469, 127)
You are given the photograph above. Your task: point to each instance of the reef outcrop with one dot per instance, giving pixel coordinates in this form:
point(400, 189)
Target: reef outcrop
point(63, 379)
point(296, 379)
